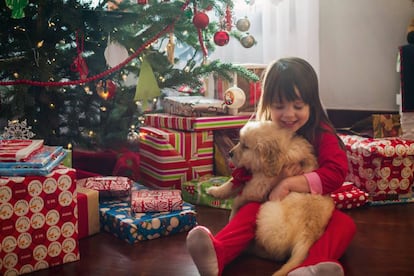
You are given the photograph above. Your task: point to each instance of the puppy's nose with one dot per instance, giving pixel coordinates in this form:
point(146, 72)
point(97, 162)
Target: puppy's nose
point(231, 154)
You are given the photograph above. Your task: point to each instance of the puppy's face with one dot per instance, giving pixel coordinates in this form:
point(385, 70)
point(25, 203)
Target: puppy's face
point(260, 148)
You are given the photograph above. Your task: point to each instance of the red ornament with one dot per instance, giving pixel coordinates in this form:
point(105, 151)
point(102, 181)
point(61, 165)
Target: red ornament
point(201, 20)
point(221, 38)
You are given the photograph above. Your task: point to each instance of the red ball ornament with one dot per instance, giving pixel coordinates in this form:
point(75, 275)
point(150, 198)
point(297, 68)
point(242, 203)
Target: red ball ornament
point(221, 38)
point(201, 20)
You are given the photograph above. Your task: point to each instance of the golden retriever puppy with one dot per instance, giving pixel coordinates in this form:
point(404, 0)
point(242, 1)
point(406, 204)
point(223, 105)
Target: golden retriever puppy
point(286, 229)
point(266, 153)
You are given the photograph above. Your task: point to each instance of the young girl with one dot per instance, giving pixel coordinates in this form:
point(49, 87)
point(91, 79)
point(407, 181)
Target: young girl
point(291, 99)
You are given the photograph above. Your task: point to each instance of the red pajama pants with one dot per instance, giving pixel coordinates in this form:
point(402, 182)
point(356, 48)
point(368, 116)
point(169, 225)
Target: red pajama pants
point(240, 231)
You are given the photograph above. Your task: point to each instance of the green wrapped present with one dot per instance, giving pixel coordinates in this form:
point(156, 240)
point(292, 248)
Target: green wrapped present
point(194, 191)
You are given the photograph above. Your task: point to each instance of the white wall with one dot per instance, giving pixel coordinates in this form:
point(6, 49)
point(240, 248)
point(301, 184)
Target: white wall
point(359, 42)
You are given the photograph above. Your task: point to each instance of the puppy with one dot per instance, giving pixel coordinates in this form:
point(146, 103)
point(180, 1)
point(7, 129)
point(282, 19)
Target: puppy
point(286, 229)
point(266, 153)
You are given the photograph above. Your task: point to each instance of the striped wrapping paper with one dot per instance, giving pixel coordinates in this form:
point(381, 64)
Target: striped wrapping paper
point(170, 157)
point(18, 150)
point(162, 120)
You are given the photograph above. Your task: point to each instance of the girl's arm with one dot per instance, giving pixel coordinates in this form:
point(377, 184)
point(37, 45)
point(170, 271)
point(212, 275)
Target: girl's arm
point(333, 167)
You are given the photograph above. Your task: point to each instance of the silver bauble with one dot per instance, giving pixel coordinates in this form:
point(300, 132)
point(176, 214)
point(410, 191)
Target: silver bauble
point(243, 24)
point(247, 41)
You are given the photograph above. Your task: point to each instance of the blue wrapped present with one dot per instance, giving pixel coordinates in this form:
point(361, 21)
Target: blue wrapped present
point(116, 218)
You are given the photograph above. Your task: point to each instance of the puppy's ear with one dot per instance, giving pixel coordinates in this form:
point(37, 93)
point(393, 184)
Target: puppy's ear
point(272, 158)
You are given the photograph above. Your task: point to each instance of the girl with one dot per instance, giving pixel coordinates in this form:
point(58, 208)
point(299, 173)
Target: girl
point(291, 99)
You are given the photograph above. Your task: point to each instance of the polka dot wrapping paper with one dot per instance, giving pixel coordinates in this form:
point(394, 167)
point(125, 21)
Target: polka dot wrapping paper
point(349, 196)
point(116, 218)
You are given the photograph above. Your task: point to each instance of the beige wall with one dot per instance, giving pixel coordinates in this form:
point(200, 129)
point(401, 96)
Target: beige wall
point(359, 41)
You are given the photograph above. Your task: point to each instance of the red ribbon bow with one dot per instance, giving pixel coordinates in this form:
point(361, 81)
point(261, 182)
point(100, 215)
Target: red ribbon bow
point(240, 177)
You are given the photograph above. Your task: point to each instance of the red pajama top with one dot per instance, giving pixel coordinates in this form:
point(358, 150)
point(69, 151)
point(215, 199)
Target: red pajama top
point(333, 165)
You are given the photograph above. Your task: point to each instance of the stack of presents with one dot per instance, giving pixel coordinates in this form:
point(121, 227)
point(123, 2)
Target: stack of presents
point(46, 206)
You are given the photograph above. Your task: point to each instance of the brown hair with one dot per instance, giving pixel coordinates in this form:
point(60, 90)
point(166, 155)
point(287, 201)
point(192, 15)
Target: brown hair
point(279, 83)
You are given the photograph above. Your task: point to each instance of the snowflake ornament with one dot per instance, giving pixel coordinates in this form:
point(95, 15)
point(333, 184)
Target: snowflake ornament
point(17, 130)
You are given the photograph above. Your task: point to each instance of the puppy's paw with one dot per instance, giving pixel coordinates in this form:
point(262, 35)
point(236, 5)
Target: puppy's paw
point(213, 191)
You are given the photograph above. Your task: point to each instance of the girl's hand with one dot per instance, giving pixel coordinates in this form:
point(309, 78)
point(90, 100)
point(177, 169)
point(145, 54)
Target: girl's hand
point(292, 170)
point(297, 183)
point(280, 191)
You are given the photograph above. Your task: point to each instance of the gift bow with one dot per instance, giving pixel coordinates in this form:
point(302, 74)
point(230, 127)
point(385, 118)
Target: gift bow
point(240, 177)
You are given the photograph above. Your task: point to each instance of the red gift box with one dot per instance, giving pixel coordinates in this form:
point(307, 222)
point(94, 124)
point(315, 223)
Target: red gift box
point(143, 201)
point(349, 196)
point(170, 157)
point(108, 186)
point(162, 120)
point(383, 167)
point(38, 221)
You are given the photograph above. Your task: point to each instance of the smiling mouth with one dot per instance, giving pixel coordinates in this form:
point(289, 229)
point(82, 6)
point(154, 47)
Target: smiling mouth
point(289, 123)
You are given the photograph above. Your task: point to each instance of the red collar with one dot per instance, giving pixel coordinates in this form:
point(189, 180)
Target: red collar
point(240, 177)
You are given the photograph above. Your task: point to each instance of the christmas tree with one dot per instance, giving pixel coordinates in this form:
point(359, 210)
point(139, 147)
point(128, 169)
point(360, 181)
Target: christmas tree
point(70, 68)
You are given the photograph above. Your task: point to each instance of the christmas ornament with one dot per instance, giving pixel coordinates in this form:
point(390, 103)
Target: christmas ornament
point(170, 48)
point(106, 89)
point(247, 41)
point(142, 2)
point(17, 130)
point(221, 38)
point(133, 135)
point(17, 7)
point(229, 21)
point(201, 20)
point(79, 64)
point(234, 98)
point(147, 87)
point(115, 53)
point(243, 24)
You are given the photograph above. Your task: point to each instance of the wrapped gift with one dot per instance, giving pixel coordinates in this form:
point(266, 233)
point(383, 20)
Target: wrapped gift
point(162, 120)
point(38, 221)
point(156, 201)
point(28, 169)
point(108, 186)
point(193, 105)
point(38, 159)
point(382, 167)
point(18, 150)
point(67, 161)
point(88, 212)
point(386, 125)
point(116, 218)
point(194, 191)
point(349, 196)
point(170, 157)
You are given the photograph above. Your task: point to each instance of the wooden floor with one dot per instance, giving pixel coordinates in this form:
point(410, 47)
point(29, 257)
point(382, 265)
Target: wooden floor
point(383, 245)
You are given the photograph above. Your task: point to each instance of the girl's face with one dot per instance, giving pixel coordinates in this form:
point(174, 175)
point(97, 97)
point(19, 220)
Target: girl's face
point(290, 115)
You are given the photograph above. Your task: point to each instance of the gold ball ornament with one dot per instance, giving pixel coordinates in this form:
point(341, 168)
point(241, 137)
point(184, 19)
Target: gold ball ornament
point(247, 41)
point(243, 24)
